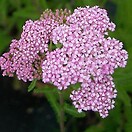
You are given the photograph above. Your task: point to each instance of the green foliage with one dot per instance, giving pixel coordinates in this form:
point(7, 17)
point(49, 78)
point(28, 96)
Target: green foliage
point(59, 45)
point(45, 90)
point(97, 128)
point(124, 96)
point(32, 85)
point(51, 94)
point(71, 110)
point(51, 97)
point(123, 77)
point(28, 12)
point(4, 40)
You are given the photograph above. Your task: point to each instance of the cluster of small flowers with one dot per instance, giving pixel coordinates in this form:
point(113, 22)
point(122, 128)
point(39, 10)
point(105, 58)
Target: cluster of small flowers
point(87, 55)
point(96, 95)
point(26, 54)
point(59, 15)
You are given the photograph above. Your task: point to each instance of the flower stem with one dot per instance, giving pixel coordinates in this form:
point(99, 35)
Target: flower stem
point(61, 121)
point(50, 46)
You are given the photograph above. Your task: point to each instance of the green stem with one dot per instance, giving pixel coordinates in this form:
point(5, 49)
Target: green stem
point(61, 121)
point(50, 46)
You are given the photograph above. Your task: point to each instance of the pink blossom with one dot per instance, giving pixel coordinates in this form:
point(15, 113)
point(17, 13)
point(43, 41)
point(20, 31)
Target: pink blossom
point(92, 58)
point(95, 95)
point(88, 55)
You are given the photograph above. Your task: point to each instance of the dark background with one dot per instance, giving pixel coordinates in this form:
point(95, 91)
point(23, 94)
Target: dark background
point(21, 111)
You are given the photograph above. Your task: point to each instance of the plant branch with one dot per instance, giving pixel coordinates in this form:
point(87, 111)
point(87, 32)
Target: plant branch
point(61, 121)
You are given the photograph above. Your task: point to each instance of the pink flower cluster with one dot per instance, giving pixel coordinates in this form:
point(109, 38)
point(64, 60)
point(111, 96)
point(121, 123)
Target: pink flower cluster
point(59, 15)
point(87, 56)
point(26, 54)
point(23, 57)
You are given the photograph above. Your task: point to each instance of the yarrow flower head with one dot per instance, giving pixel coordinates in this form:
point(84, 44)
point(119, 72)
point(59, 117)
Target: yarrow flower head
point(26, 54)
point(87, 55)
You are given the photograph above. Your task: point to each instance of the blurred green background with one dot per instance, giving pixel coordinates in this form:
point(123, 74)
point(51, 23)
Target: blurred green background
point(23, 112)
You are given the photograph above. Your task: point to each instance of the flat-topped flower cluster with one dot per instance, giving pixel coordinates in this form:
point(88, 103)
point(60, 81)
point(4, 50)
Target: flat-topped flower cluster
point(87, 55)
